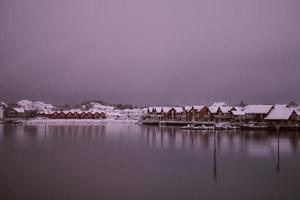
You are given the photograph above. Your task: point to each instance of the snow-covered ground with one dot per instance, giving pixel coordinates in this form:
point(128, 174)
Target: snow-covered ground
point(34, 105)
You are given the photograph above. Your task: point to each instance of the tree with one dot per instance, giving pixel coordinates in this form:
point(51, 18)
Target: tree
point(292, 104)
point(242, 104)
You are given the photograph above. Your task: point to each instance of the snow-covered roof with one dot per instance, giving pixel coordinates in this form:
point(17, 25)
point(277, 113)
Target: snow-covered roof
point(196, 107)
point(280, 113)
point(19, 110)
point(280, 106)
point(2, 104)
point(213, 109)
point(178, 109)
point(258, 109)
point(297, 110)
point(238, 112)
point(226, 109)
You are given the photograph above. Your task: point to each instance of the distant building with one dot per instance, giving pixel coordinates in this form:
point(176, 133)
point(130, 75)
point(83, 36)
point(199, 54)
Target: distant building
point(196, 113)
point(238, 114)
point(213, 112)
point(11, 112)
point(1, 113)
point(257, 113)
point(282, 116)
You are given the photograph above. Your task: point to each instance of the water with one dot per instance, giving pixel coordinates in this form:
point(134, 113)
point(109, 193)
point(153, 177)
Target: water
point(128, 161)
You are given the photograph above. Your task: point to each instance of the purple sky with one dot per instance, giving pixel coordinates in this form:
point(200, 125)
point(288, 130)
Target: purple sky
point(150, 52)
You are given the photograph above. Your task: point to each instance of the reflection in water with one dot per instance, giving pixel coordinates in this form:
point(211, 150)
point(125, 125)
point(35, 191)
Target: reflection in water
point(278, 153)
point(146, 161)
point(215, 159)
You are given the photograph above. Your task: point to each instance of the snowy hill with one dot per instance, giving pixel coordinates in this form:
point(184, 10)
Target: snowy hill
point(219, 104)
point(37, 105)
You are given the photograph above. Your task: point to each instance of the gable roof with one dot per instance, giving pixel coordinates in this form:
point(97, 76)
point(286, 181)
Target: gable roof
point(178, 109)
point(280, 113)
point(258, 109)
point(213, 109)
point(226, 109)
point(19, 110)
point(196, 107)
point(297, 110)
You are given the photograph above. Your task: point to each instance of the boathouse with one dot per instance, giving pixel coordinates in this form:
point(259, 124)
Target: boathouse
point(213, 112)
point(238, 114)
point(1, 113)
point(281, 117)
point(257, 113)
point(196, 113)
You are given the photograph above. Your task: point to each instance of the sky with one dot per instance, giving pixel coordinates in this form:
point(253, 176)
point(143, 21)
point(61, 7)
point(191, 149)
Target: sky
point(142, 52)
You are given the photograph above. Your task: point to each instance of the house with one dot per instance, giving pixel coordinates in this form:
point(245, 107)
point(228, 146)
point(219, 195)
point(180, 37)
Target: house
point(257, 113)
point(176, 113)
point(213, 112)
point(1, 113)
point(282, 116)
point(238, 114)
point(12, 112)
point(297, 110)
point(196, 112)
point(225, 114)
point(165, 112)
point(99, 115)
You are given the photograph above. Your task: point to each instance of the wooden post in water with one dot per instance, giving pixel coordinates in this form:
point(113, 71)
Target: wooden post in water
point(215, 159)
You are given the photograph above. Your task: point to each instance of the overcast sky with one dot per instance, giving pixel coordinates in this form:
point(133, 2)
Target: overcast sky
point(150, 52)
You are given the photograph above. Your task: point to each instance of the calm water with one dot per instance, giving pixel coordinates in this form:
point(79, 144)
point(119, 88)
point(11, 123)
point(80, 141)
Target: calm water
point(128, 161)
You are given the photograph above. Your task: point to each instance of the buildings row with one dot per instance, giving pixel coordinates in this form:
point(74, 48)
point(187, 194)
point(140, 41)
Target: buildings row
point(271, 114)
point(72, 115)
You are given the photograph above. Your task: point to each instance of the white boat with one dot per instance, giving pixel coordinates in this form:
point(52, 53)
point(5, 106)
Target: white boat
point(225, 126)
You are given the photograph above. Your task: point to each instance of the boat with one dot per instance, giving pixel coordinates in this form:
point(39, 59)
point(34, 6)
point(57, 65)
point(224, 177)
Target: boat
point(190, 127)
point(225, 126)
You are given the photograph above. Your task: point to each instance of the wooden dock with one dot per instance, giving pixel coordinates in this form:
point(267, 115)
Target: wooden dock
point(176, 123)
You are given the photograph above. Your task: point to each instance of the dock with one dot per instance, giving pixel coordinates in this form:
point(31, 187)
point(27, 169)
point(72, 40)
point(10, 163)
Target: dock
point(176, 123)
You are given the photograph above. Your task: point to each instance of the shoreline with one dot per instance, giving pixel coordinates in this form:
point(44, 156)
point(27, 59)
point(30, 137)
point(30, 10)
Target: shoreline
point(72, 121)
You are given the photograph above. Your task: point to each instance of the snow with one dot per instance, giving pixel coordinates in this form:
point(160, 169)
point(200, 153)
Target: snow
point(37, 105)
point(226, 109)
point(238, 111)
point(19, 110)
point(2, 105)
point(280, 113)
point(297, 110)
point(219, 104)
point(99, 106)
point(280, 106)
point(213, 109)
point(196, 107)
point(257, 109)
point(178, 109)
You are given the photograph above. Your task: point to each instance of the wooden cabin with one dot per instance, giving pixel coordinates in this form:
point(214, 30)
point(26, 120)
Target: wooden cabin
point(257, 113)
point(196, 113)
point(282, 116)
